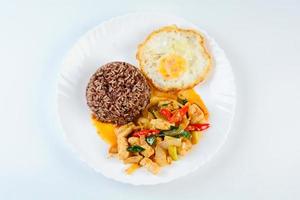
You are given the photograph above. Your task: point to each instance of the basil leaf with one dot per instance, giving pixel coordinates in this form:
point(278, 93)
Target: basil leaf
point(173, 131)
point(186, 134)
point(182, 101)
point(154, 112)
point(173, 127)
point(151, 139)
point(135, 148)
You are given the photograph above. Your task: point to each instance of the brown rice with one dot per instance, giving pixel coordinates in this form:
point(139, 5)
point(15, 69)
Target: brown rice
point(117, 92)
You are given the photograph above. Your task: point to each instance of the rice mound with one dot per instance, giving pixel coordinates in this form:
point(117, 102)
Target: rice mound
point(117, 93)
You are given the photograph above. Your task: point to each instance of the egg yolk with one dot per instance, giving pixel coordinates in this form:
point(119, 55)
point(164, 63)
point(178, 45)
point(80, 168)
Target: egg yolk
point(172, 66)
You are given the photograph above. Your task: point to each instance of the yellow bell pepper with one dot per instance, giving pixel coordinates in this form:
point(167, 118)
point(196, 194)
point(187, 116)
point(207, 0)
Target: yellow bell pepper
point(172, 150)
point(196, 136)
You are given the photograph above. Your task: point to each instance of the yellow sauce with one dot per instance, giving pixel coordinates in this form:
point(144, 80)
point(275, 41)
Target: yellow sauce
point(107, 130)
point(192, 96)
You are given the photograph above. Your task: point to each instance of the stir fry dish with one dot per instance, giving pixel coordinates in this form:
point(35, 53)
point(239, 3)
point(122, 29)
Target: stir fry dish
point(166, 131)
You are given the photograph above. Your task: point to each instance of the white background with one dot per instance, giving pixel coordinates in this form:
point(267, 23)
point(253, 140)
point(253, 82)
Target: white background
point(261, 158)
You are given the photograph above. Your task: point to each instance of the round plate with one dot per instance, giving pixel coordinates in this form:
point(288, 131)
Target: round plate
point(117, 40)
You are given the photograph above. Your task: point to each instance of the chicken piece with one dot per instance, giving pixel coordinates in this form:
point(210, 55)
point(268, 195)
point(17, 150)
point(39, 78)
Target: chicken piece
point(168, 141)
point(158, 140)
point(196, 114)
point(185, 122)
point(169, 160)
point(143, 122)
point(136, 128)
point(122, 148)
point(160, 124)
point(133, 167)
point(170, 104)
point(134, 141)
point(122, 132)
point(125, 130)
point(150, 165)
point(148, 149)
point(160, 156)
point(113, 149)
point(133, 159)
point(185, 147)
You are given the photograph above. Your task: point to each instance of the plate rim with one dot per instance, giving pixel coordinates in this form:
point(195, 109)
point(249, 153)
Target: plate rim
point(72, 146)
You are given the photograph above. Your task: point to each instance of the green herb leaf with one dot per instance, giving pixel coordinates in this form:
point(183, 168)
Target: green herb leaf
point(183, 101)
point(135, 148)
point(173, 127)
point(174, 130)
point(151, 139)
point(165, 104)
point(186, 134)
point(153, 111)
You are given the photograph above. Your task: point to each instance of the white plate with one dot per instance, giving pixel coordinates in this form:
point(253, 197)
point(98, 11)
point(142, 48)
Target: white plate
point(117, 40)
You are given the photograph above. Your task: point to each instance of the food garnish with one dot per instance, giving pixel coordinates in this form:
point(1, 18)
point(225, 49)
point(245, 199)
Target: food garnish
point(145, 132)
point(197, 127)
point(135, 148)
point(151, 139)
point(181, 100)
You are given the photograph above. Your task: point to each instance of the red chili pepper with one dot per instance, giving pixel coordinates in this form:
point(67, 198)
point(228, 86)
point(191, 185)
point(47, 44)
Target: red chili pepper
point(197, 127)
point(166, 113)
point(183, 110)
point(145, 132)
point(179, 114)
point(176, 117)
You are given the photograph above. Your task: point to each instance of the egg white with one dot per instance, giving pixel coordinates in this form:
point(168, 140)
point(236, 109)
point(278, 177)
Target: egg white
point(186, 44)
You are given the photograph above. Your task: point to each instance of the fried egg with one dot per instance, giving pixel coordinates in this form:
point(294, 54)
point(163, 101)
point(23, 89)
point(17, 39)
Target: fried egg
point(174, 59)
